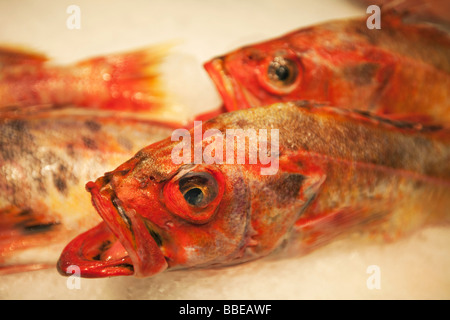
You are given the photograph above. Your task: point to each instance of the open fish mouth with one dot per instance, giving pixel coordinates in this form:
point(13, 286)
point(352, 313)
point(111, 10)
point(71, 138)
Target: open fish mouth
point(234, 96)
point(121, 245)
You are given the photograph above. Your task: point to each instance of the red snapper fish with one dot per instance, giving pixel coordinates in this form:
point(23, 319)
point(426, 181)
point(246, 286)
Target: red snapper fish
point(401, 70)
point(337, 171)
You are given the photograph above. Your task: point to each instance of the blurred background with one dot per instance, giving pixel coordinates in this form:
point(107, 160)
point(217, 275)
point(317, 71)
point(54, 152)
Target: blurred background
point(413, 268)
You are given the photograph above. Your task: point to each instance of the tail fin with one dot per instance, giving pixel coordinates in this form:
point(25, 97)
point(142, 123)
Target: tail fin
point(126, 82)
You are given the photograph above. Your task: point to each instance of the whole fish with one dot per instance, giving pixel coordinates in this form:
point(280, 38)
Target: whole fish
point(45, 161)
point(337, 171)
point(401, 70)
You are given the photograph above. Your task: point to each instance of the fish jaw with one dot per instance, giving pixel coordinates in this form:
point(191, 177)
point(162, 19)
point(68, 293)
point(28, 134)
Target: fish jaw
point(130, 229)
point(234, 95)
point(133, 251)
point(87, 252)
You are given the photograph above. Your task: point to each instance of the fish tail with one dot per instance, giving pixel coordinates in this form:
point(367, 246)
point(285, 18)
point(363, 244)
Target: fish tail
point(127, 81)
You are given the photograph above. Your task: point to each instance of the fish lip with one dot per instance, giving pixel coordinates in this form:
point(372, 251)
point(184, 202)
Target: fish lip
point(134, 242)
point(130, 229)
point(74, 256)
point(234, 96)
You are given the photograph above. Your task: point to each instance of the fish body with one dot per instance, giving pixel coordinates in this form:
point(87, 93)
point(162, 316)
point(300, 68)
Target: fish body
point(45, 161)
point(401, 70)
point(338, 171)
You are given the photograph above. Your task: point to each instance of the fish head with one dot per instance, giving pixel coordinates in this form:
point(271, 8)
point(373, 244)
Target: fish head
point(159, 215)
point(322, 63)
point(259, 74)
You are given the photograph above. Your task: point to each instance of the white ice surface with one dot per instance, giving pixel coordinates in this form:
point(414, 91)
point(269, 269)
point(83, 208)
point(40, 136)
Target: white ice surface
point(413, 268)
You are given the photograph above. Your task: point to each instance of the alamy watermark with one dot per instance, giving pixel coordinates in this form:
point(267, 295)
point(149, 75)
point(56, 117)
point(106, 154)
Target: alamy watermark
point(259, 147)
point(74, 280)
point(374, 20)
point(374, 280)
point(74, 20)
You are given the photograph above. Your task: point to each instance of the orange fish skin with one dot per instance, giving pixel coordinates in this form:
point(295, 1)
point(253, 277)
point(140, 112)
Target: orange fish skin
point(339, 171)
point(124, 81)
point(402, 69)
point(46, 158)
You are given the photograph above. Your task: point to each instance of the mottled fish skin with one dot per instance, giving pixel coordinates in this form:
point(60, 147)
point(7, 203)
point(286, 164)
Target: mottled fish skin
point(402, 69)
point(340, 171)
point(45, 161)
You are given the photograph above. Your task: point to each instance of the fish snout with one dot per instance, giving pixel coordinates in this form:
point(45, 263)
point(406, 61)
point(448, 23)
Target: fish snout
point(121, 245)
point(234, 95)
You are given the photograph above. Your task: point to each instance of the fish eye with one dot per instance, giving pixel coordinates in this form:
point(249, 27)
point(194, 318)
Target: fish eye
point(198, 188)
point(282, 72)
point(280, 75)
point(194, 193)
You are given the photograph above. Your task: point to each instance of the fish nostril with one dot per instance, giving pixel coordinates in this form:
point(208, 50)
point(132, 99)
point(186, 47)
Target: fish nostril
point(144, 181)
point(108, 176)
point(254, 55)
point(122, 172)
point(221, 58)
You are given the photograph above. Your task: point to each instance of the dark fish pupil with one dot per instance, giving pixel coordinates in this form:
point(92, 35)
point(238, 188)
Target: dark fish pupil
point(282, 73)
point(194, 196)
